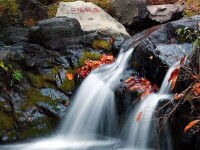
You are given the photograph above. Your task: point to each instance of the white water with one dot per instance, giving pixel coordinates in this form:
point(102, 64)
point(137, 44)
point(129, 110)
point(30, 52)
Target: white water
point(139, 133)
point(93, 110)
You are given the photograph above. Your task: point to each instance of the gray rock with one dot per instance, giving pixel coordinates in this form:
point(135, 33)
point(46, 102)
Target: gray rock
point(130, 12)
point(151, 56)
point(57, 33)
point(14, 35)
point(164, 13)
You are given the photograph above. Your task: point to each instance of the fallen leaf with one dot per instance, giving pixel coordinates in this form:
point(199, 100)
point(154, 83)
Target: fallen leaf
point(70, 76)
point(196, 89)
point(138, 116)
point(173, 78)
point(191, 124)
point(182, 60)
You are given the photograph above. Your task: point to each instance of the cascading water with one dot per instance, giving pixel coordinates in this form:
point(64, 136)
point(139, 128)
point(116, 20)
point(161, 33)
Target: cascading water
point(93, 112)
point(139, 132)
point(93, 109)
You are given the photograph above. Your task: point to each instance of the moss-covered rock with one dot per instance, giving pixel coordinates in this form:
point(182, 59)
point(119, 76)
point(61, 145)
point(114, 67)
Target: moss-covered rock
point(88, 56)
point(102, 44)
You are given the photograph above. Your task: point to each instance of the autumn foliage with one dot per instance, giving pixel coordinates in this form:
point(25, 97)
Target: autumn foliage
point(90, 65)
point(140, 84)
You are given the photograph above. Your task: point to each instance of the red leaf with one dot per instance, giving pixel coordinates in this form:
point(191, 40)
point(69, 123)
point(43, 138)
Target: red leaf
point(173, 77)
point(182, 60)
point(190, 125)
point(138, 116)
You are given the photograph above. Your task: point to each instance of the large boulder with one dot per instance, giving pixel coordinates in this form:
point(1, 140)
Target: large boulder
point(161, 46)
point(131, 13)
point(57, 33)
point(164, 13)
point(90, 16)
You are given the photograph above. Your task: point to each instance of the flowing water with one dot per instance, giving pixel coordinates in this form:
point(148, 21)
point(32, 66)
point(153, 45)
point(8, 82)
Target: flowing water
point(91, 122)
point(139, 132)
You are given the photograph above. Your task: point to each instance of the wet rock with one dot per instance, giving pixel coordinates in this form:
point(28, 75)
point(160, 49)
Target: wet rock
point(164, 13)
point(14, 35)
point(57, 33)
point(131, 13)
point(161, 44)
point(58, 98)
point(90, 16)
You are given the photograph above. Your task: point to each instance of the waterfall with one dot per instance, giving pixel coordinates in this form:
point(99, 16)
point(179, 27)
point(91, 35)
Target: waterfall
point(139, 133)
point(93, 110)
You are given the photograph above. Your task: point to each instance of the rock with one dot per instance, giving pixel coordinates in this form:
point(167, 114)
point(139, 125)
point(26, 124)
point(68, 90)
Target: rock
point(161, 43)
point(32, 9)
point(14, 35)
point(131, 13)
point(90, 16)
point(164, 13)
point(58, 98)
point(57, 33)
point(160, 2)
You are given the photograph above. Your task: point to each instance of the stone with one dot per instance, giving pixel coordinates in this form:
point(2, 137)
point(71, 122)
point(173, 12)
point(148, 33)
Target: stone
point(14, 35)
point(164, 13)
point(56, 33)
point(131, 13)
point(160, 2)
point(90, 16)
point(160, 48)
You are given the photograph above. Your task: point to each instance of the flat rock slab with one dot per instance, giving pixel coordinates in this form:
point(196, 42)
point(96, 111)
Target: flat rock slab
point(90, 16)
point(164, 13)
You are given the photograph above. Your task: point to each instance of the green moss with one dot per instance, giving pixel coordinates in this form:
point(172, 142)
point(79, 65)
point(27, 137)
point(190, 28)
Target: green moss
point(88, 56)
point(39, 80)
point(38, 127)
point(11, 8)
point(101, 44)
point(67, 85)
point(33, 96)
point(6, 122)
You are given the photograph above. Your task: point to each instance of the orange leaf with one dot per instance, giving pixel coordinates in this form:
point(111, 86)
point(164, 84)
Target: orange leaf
point(190, 125)
point(196, 89)
point(129, 79)
point(138, 116)
point(70, 76)
point(173, 77)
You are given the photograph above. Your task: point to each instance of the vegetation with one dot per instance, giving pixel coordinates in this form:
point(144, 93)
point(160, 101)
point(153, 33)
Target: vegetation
point(102, 44)
point(10, 7)
point(192, 7)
